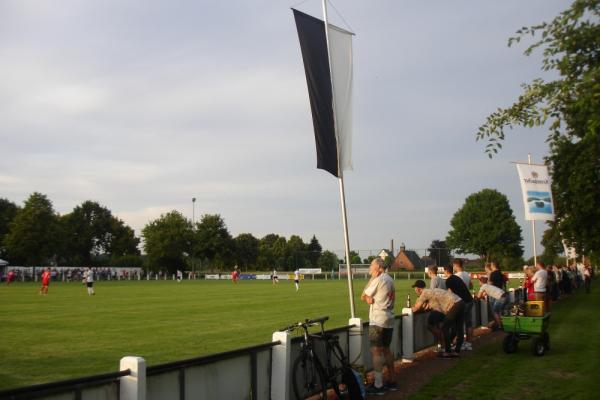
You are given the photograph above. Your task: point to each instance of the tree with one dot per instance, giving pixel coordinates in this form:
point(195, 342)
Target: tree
point(123, 241)
point(33, 233)
point(354, 257)
point(552, 242)
point(8, 211)
point(314, 250)
point(246, 250)
point(91, 230)
point(168, 241)
point(485, 225)
point(213, 241)
point(569, 106)
point(266, 252)
point(297, 251)
point(439, 252)
point(328, 261)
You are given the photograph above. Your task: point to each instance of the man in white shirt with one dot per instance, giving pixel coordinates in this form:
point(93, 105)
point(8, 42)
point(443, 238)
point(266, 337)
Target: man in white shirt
point(380, 294)
point(540, 280)
point(497, 298)
point(89, 280)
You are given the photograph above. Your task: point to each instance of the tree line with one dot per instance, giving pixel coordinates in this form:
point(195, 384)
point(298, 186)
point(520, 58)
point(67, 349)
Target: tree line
point(35, 234)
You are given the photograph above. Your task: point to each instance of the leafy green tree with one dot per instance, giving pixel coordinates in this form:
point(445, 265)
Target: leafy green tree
point(266, 252)
point(168, 241)
point(33, 233)
point(297, 251)
point(280, 251)
point(246, 250)
point(91, 233)
point(569, 106)
point(552, 242)
point(485, 225)
point(328, 261)
point(123, 241)
point(213, 241)
point(439, 252)
point(314, 250)
point(354, 257)
point(8, 211)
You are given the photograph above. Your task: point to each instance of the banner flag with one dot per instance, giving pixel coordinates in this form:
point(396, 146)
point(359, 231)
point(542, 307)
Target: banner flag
point(328, 84)
point(537, 194)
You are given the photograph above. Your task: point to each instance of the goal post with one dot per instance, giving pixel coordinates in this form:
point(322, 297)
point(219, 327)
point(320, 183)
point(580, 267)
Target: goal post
point(358, 271)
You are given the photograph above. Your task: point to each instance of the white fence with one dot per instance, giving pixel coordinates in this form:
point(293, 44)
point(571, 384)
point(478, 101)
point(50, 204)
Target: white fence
point(260, 372)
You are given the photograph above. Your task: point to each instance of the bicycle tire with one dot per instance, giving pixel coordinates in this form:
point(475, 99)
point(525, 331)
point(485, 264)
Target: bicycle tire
point(308, 378)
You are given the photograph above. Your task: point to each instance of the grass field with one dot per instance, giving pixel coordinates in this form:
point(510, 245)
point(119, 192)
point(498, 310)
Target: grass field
point(69, 334)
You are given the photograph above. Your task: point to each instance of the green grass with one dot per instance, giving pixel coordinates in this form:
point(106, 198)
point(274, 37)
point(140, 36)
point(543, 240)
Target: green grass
point(69, 334)
point(570, 370)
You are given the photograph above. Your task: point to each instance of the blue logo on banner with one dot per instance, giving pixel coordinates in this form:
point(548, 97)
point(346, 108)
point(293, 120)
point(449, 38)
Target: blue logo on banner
point(539, 202)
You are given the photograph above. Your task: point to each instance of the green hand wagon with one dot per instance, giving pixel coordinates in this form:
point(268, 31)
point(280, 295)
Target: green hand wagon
point(518, 328)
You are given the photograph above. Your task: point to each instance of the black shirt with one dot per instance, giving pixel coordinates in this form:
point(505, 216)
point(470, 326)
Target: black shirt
point(459, 288)
point(497, 279)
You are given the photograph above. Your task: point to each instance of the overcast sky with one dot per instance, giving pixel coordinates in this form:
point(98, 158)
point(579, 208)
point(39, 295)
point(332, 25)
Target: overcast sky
point(142, 105)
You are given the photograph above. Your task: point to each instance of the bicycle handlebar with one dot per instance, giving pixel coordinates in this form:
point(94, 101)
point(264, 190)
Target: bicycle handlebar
point(306, 323)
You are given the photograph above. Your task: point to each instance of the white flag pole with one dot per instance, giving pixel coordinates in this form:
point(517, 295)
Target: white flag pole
point(340, 174)
point(533, 224)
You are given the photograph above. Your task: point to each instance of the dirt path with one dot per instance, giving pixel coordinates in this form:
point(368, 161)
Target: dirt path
point(412, 376)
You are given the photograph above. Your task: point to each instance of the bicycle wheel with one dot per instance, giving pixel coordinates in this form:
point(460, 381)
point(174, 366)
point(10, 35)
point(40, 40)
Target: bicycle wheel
point(308, 378)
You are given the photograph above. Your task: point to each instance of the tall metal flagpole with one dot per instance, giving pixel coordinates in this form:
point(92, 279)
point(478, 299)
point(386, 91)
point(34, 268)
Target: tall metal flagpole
point(340, 176)
point(533, 225)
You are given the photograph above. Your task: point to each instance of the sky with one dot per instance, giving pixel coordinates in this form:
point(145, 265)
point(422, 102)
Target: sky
point(144, 105)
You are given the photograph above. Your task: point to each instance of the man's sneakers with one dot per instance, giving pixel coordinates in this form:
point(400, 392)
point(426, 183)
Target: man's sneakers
point(376, 391)
point(466, 346)
point(391, 386)
point(387, 387)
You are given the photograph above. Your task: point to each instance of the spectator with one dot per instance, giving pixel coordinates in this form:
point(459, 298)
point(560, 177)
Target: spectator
point(528, 283)
point(540, 280)
point(458, 287)
point(497, 298)
point(446, 317)
point(587, 276)
point(380, 294)
point(496, 277)
point(436, 281)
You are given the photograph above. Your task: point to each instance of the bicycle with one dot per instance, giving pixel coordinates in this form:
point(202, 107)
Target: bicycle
point(312, 377)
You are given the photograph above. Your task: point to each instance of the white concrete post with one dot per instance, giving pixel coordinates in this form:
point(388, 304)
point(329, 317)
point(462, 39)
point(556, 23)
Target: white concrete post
point(511, 295)
point(484, 312)
point(281, 366)
point(133, 386)
point(408, 340)
point(355, 341)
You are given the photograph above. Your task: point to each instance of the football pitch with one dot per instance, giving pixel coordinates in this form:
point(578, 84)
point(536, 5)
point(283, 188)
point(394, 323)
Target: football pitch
point(69, 334)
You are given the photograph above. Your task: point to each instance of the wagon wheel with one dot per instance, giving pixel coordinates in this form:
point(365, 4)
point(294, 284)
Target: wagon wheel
point(538, 347)
point(510, 343)
point(546, 338)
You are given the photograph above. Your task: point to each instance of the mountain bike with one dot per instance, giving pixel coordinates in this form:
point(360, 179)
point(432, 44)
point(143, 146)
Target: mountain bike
point(311, 375)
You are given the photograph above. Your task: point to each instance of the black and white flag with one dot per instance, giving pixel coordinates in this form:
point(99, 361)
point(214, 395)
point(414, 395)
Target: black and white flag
point(329, 86)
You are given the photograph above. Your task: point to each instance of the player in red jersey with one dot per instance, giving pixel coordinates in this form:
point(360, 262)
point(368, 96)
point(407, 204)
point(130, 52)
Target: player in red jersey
point(235, 275)
point(10, 277)
point(45, 281)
